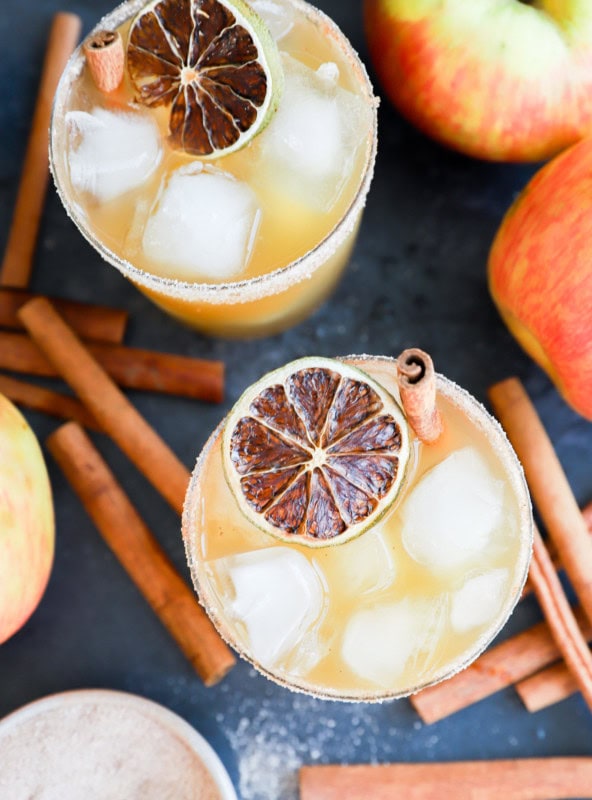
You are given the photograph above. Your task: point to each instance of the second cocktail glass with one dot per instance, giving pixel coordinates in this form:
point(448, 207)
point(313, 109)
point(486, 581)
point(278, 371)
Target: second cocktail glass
point(340, 550)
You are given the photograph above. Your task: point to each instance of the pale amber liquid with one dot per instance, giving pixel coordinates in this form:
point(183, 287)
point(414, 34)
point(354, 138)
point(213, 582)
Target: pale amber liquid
point(289, 228)
point(222, 530)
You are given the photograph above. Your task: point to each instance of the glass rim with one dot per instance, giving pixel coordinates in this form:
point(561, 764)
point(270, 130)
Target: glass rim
point(247, 289)
point(498, 439)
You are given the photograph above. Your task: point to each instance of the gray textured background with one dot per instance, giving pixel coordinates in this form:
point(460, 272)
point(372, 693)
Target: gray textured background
point(417, 278)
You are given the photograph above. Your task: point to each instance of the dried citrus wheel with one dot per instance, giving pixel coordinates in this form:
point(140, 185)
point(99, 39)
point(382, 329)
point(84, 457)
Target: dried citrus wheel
point(214, 63)
point(315, 452)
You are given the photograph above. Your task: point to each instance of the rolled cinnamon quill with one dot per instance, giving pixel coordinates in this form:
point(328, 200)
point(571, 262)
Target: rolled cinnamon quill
point(560, 618)
point(140, 554)
point(108, 405)
point(99, 323)
point(105, 59)
point(548, 484)
point(18, 257)
point(518, 779)
point(417, 386)
point(129, 367)
point(557, 682)
point(38, 398)
point(547, 687)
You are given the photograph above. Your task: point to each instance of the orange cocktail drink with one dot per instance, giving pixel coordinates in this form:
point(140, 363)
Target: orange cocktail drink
point(225, 180)
point(342, 553)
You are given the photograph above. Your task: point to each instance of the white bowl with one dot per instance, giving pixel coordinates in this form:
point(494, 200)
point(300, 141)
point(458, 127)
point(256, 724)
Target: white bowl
point(100, 745)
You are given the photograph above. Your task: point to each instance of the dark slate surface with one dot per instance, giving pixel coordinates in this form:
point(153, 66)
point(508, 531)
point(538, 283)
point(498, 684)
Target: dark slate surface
point(417, 278)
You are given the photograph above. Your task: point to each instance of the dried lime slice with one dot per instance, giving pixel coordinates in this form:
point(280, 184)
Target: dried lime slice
point(214, 63)
point(315, 452)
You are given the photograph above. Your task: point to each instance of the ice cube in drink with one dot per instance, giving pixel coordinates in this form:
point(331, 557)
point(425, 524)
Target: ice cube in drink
point(204, 221)
point(111, 152)
point(275, 594)
point(453, 511)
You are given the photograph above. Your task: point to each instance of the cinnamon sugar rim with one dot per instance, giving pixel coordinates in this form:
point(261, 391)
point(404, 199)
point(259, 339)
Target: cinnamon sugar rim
point(248, 289)
point(498, 440)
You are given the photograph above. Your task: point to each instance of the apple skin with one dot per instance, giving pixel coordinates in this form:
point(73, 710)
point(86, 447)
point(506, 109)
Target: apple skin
point(540, 272)
point(495, 79)
point(27, 529)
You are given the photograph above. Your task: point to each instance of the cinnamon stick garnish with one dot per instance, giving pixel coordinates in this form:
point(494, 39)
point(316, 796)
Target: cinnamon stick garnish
point(548, 484)
point(89, 321)
point(105, 59)
point(130, 367)
point(140, 554)
point(547, 687)
point(37, 398)
point(518, 779)
point(498, 668)
point(560, 619)
point(417, 386)
point(112, 410)
point(18, 257)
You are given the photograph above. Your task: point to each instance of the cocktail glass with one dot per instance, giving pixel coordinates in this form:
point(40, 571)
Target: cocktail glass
point(409, 602)
point(277, 297)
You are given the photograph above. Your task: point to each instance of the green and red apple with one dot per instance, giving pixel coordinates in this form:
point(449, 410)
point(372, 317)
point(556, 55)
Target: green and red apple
point(540, 272)
point(26, 521)
point(503, 80)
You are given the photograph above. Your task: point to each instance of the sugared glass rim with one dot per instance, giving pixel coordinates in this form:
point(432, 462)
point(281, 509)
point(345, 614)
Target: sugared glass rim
point(234, 291)
point(496, 436)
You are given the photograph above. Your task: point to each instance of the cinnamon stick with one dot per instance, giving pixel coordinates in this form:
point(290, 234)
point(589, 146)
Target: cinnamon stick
point(417, 386)
point(587, 514)
point(37, 398)
point(548, 484)
point(556, 683)
point(130, 367)
point(18, 257)
point(547, 687)
point(140, 554)
point(518, 779)
point(89, 321)
point(112, 410)
point(498, 668)
point(560, 619)
point(105, 59)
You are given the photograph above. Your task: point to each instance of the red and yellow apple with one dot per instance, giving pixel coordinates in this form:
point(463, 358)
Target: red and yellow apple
point(540, 272)
point(26, 521)
point(497, 79)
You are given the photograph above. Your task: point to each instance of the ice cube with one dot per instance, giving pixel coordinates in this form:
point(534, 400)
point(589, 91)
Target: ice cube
point(309, 148)
point(203, 225)
point(278, 16)
point(276, 594)
point(479, 601)
point(365, 564)
point(312, 647)
point(132, 246)
point(111, 152)
point(381, 642)
point(452, 513)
